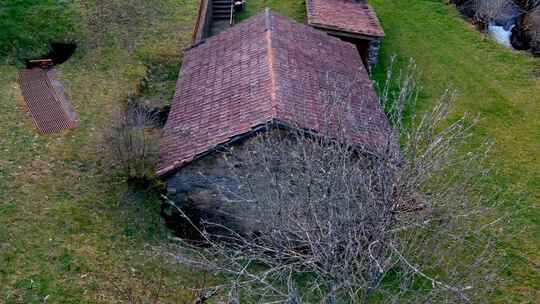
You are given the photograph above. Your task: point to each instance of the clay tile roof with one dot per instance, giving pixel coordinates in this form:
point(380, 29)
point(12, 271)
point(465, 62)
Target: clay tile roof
point(264, 70)
point(347, 16)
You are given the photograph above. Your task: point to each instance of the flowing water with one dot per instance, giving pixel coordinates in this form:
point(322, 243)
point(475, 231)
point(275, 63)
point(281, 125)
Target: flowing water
point(501, 26)
point(501, 34)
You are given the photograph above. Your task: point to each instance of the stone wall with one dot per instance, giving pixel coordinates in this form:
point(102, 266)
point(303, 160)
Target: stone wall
point(373, 53)
point(224, 188)
point(206, 190)
point(204, 21)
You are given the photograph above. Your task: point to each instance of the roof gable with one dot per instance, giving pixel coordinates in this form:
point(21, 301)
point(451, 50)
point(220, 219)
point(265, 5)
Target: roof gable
point(265, 69)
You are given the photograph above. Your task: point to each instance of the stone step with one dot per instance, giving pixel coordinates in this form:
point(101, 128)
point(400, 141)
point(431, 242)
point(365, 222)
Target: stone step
point(227, 13)
point(221, 17)
point(214, 4)
point(221, 12)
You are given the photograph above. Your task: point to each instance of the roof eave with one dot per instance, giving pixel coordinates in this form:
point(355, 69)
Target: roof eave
point(275, 123)
point(179, 164)
point(346, 33)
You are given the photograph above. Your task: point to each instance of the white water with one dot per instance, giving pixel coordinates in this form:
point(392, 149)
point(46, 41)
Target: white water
point(500, 34)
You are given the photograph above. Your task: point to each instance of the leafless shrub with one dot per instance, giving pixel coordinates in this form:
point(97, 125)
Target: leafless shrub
point(487, 10)
point(333, 223)
point(527, 5)
point(130, 143)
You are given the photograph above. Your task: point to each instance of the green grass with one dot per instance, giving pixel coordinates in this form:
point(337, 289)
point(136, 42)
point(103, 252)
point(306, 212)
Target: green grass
point(27, 27)
point(69, 230)
point(70, 233)
point(294, 9)
point(497, 84)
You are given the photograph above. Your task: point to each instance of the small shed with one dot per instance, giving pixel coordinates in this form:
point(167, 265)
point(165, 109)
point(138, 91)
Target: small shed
point(353, 21)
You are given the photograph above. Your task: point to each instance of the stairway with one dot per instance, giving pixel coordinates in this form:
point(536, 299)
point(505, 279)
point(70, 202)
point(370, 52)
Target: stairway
point(221, 14)
point(221, 9)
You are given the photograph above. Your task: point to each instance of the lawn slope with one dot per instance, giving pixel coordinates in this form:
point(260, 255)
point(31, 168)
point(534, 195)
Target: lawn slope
point(499, 85)
point(70, 232)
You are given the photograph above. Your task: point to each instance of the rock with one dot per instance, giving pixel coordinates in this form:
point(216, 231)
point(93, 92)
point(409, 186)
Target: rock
point(373, 53)
point(206, 191)
point(523, 34)
point(197, 190)
point(535, 50)
point(519, 39)
point(533, 25)
point(508, 16)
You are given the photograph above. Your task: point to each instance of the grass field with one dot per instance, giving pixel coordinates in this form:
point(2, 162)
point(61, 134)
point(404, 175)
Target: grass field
point(294, 9)
point(499, 85)
point(71, 232)
point(47, 20)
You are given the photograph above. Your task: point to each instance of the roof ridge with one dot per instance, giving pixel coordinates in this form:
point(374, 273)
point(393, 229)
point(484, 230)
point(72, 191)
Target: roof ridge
point(271, 59)
point(268, 18)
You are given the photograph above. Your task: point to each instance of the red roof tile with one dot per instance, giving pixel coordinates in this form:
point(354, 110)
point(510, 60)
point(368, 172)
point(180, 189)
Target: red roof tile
point(263, 70)
point(344, 15)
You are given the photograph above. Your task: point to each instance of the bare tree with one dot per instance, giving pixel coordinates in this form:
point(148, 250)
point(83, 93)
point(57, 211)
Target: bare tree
point(527, 5)
point(487, 10)
point(129, 141)
point(332, 222)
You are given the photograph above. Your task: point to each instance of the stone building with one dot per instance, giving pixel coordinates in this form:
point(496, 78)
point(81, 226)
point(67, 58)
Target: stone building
point(353, 21)
point(262, 75)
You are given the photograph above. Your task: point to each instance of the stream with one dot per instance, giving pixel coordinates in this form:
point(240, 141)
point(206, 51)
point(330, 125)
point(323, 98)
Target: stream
point(501, 27)
point(501, 34)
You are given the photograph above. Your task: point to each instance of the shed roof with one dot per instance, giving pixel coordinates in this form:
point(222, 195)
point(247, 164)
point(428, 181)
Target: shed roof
point(266, 69)
point(348, 16)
